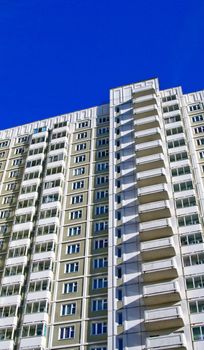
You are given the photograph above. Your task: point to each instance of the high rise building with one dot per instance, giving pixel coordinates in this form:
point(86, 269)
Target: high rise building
point(101, 226)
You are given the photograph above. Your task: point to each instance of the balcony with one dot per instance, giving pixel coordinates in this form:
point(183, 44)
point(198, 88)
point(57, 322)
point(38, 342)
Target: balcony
point(148, 135)
point(36, 317)
point(59, 140)
point(19, 242)
point(40, 156)
point(8, 321)
point(52, 190)
point(23, 227)
point(163, 318)
point(153, 193)
point(46, 238)
point(45, 274)
point(33, 169)
point(49, 221)
point(38, 145)
point(33, 342)
point(155, 229)
point(51, 205)
point(154, 211)
point(30, 182)
point(175, 341)
point(19, 260)
point(150, 162)
point(10, 300)
point(31, 195)
point(147, 123)
point(58, 176)
point(6, 344)
point(144, 100)
point(44, 294)
point(148, 148)
point(157, 249)
point(161, 293)
point(143, 91)
point(59, 163)
point(159, 270)
point(146, 111)
point(27, 210)
point(44, 255)
point(151, 177)
point(13, 279)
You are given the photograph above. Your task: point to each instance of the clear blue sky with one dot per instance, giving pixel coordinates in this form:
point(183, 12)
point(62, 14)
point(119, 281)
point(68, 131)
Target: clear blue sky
point(58, 56)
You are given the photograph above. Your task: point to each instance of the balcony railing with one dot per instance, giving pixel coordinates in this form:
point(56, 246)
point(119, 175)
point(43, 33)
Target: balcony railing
point(157, 249)
point(161, 293)
point(159, 270)
point(153, 193)
point(167, 342)
point(154, 210)
point(155, 229)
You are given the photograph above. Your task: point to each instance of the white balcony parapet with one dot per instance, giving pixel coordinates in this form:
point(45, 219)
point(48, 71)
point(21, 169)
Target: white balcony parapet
point(48, 221)
point(45, 238)
point(157, 248)
point(144, 98)
point(8, 322)
point(35, 156)
point(58, 176)
point(56, 164)
point(159, 265)
point(51, 205)
point(13, 279)
point(60, 129)
point(44, 294)
point(148, 145)
point(59, 140)
point(31, 195)
point(19, 242)
point(147, 120)
point(155, 224)
point(35, 317)
point(44, 255)
point(23, 227)
point(6, 344)
point(46, 274)
point(161, 289)
point(52, 190)
point(38, 145)
point(19, 260)
point(148, 174)
point(147, 132)
point(30, 182)
point(144, 109)
point(149, 161)
point(166, 342)
point(10, 300)
point(143, 90)
point(32, 342)
point(153, 206)
point(33, 169)
point(163, 313)
point(152, 189)
point(23, 211)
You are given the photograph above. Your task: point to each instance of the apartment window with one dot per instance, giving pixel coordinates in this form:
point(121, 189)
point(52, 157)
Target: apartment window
point(35, 151)
point(57, 170)
point(42, 265)
point(99, 304)
point(30, 176)
point(181, 171)
point(58, 145)
point(183, 186)
point(100, 243)
point(100, 263)
point(102, 180)
point(16, 252)
point(49, 213)
point(101, 226)
point(4, 144)
point(46, 230)
point(32, 163)
point(78, 184)
point(82, 135)
point(68, 309)
point(2, 154)
point(119, 272)
point(197, 118)
point(185, 202)
point(38, 140)
point(73, 248)
point(34, 330)
point(120, 294)
point(14, 173)
point(20, 235)
point(40, 285)
point(198, 333)
point(17, 161)
point(80, 147)
point(41, 129)
point(70, 287)
point(8, 311)
point(56, 158)
point(102, 166)
point(171, 108)
point(102, 154)
point(13, 270)
point(77, 199)
point(45, 247)
point(188, 220)
point(52, 184)
point(176, 143)
point(201, 154)
point(22, 139)
point(40, 306)
point(173, 119)
point(169, 98)
point(66, 332)
point(8, 200)
point(192, 238)
point(74, 231)
point(101, 210)
point(80, 159)
point(11, 186)
point(200, 142)
point(102, 142)
point(194, 259)
point(99, 348)
point(72, 267)
point(99, 283)
point(11, 289)
point(195, 107)
point(58, 135)
point(102, 120)
point(79, 171)
point(98, 328)
point(120, 318)
point(102, 131)
point(19, 150)
point(60, 124)
point(84, 124)
point(4, 229)
point(101, 195)
point(5, 214)
point(199, 130)
point(77, 214)
point(51, 198)
point(196, 306)
point(174, 131)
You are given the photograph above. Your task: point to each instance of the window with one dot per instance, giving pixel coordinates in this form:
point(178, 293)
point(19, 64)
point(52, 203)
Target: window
point(70, 287)
point(34, 330)
point(174, 131)
point(51, 198)
point(120, 318)
point(30, 176)
point(74, 231)
point(102, 166)
point(11, 289)
point(80, 159)
point(32, 163)
point(100, 263)
point(198, 333)
point(101, 226)
point(46, 230)
point(8, 200)
point(77, 214)
point(100, 243)
point(101, 210)
point(58, 145)
point(102, 120)
point(73, 248)
point(78, 184)
point(57, 170)
point(41, 129)
point(4, 144)
point(102, 180)
point(35, 151)
point(80, 147)
point(199, 130)
point(173, 119)
point(40, 306)
point(99, 348)
point(68, 309)
point(17, 161)
point(50, 213)
point(84, 124)
point(102, 142)
point(98, 328)
point(66, 332)
point(183, 186)
point(101, 131)
point(14, 173)
point(193, 259)
point(99, 304)
point(5, 214)
point(8, 311)
point(101, 195)
point(171, 108)
point(188, 220)
point(197, 118)
point(6, 334)
point(185, 202)
point(169, 98)
point(99, 283)
point(58, 135)
point(60, 124)
point(77, 199)
point(20, 235)
point(40, 285)
point(181, 171)
point(102, 154)
point(196, 306)
point(176, 143)
point(193, 238)
point(200, 142)
point(22, 139)
point(19, 150)
point(79, 171)
point(38, 140)
point(11, 186)
point(42, 265)
point(14, 270)
point(2, 154)
point(56, 158)
point(82, 135)
point(45, 247)
point(52, 184)
point(201, 154)
point(16, 252)
point(195, 107)
point(72, 267)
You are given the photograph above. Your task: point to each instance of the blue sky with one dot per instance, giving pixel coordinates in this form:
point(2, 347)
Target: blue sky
point(57, 56)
